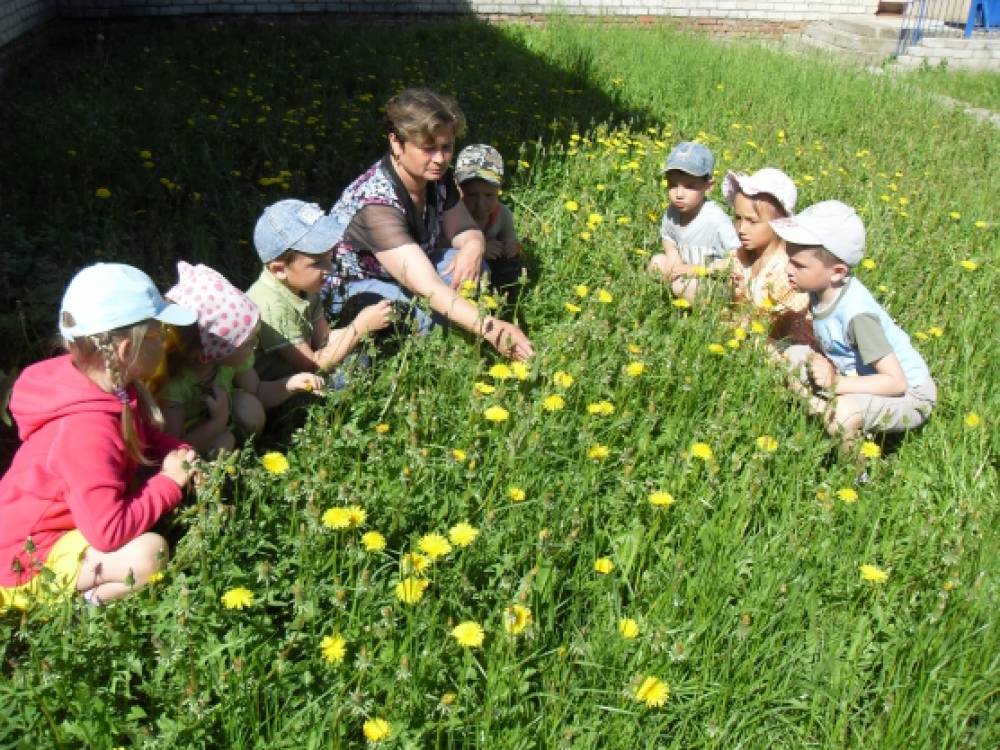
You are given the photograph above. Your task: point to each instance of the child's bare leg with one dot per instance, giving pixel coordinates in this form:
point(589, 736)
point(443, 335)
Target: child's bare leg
point(659, 266)
point(685, 287)
point(846, 421)
point(248, 412)
point(112, 575)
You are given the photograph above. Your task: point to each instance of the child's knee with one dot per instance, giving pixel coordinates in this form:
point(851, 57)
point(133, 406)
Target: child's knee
point(847, 419)
point(685, 288)
point(224, 442)
point(150, 554)
point(248, 413)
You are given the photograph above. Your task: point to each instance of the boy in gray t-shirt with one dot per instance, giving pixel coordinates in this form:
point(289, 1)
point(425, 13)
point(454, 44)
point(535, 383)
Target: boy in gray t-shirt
point(695, 231)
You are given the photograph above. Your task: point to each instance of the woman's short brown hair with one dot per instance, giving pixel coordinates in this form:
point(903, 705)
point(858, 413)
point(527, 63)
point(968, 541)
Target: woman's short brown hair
point(416, 114)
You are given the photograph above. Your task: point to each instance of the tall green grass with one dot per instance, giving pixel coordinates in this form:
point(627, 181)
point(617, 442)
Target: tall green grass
point(746, 590)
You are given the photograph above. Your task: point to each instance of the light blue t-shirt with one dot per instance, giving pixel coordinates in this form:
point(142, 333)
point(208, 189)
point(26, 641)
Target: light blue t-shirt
point(707, 237)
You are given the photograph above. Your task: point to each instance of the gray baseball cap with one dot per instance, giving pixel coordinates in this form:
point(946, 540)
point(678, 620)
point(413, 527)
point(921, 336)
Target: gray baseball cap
point(830, 224)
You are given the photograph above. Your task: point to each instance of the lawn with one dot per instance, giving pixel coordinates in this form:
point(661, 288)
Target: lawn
point(978, 88)
point(669, 554)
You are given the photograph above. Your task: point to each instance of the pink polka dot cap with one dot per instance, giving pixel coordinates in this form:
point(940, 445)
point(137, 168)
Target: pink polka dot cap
point(226, 316)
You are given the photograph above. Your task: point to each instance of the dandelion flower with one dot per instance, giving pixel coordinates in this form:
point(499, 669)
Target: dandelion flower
point(954, 215)
point(604, 565)
point(870, 449)
point(516, 494)
point(634, 349)
point(717, 348)
point(661, 499)
point(597, 452)
point(562, 379)
point(469, 634)
point(605, 297)
point(594, 219)
point(972, 420)
point(628, 627)
point(433, 545)
point(581, 290)
point(155, 577)
point(376, 730)
point(767, 444)
point(981, 224)
point(847, 495)
point(653, 692)
point(570, 307)
point(356, 516)
point(373, 541)
point(416, 562)
point(873, 574)
point(554, 402)
point(516, 618)
point(336, 518)
point(333, 648)
point(571, 206)
point(701, 451)
point(237, 598)
point(521, 371)
point(274, 462)
point(381, 428)
point(463, 534)
point(496, 414)
point(635, 369)
point(411, 590)
point(969, 265)
point(601, 409)
point(484, 389)
point(102, 192)
point(458, 454)
point(681, 303)
point(501, 371)
point(757, 327)
point(868, 264)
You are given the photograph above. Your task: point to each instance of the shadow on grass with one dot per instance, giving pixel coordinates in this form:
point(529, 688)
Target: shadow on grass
point(151, 141)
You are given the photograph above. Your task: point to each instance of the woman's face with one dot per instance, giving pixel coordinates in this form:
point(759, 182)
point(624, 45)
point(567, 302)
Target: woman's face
point(425, 162)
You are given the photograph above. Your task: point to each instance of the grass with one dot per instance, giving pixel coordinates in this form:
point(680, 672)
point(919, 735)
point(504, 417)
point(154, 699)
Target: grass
point(746, 589)
point(980, 89)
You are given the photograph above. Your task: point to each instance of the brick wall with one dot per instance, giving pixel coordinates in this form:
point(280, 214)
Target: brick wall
point(724, 16)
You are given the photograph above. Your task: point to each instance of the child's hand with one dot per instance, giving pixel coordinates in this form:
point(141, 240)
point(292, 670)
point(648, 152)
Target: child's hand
point(821, 371)
point(179, 465)
point(374, 318)
point(305, 382)
point(217, 403)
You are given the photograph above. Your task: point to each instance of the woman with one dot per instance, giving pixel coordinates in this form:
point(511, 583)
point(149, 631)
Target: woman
point(396, 212)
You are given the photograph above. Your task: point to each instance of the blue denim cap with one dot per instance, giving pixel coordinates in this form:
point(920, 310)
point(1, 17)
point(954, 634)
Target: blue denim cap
point(691, 157)
point(107, 296)
point(295, 225)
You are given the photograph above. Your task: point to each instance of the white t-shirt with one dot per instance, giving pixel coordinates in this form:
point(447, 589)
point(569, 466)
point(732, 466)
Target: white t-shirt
point(707, 237)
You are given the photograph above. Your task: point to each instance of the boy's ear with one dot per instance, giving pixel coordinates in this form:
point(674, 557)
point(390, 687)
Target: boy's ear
point(277, 268)
point(839, 272)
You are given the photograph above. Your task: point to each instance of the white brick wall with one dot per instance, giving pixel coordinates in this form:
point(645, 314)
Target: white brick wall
point(19, 16)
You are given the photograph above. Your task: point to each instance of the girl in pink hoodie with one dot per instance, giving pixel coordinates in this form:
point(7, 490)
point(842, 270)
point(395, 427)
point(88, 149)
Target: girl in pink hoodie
point(83, 489)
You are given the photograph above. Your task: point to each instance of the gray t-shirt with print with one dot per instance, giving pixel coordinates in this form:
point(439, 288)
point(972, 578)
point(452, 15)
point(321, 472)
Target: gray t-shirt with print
point(707, 237)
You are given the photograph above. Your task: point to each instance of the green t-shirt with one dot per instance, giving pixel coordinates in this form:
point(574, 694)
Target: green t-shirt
point(189, 391)
point(286, 319)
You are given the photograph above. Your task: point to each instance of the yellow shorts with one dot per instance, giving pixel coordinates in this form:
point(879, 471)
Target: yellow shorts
point(57, 580)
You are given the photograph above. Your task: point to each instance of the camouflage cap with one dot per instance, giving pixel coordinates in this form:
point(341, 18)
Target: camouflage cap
point(479, 161)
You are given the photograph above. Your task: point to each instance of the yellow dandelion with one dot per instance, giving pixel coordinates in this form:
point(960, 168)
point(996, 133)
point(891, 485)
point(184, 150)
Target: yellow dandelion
point(581, 290)
point(237, 598)
point(767, 444)
point(469, 634)
point(661, 499)
point(605, 297)
point(594, 219)
point(868, 264)
point(411, 590)
point(496, 414)
point(716, 348)
point(571, 206)
point(562, 379)
point(333, 648)
point(972, 420)
point(381, 428)
point(635, 369)
point(601, 409)
point(356, 516)
point(376, 730)
point(570, 307)
point(870, 449)
point(653, 692)
point(516, 618)
point(980, 224)
point(521, 371)
point(701, 451)
point(628, 627)
point(103, 193)
point(554, 402)
point(847, 495)
point(434, 545)
point(274, 462)
point(936, 331)
point(336, 518)
point(458, 454)
point(373, 541)
point(415, 562)
point(463, 534)
point(155, 577)
point(681, 303)
point(584, 236)
point(969, 265)
point(501, 371)
point(597, 452)
point(483, 389)
point(604, 565)
point(954, 215)
point(873, 574)
point(516, 494)
point(634, 349)
point(757, 327)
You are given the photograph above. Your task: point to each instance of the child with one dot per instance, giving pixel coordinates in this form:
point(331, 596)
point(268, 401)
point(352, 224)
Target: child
point(206, 364)
point(479, 173)
point(696, 232)
point(759, 265)
point(294, 241)
point(871, 378)
point(74, 508)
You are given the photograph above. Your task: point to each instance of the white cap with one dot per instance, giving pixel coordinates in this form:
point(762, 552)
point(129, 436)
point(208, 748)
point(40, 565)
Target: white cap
point(767, 181)
point(831, 224)
point(107, 296)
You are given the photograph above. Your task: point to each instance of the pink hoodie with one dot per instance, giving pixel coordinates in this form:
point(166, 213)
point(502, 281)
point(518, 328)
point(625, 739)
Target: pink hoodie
point(72, 471)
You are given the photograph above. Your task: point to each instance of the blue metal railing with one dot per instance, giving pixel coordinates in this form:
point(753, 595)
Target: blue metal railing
point(947, 18)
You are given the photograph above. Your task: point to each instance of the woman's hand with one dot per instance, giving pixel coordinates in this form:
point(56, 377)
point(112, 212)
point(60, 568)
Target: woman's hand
point(465, 265)
point(507, 339)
